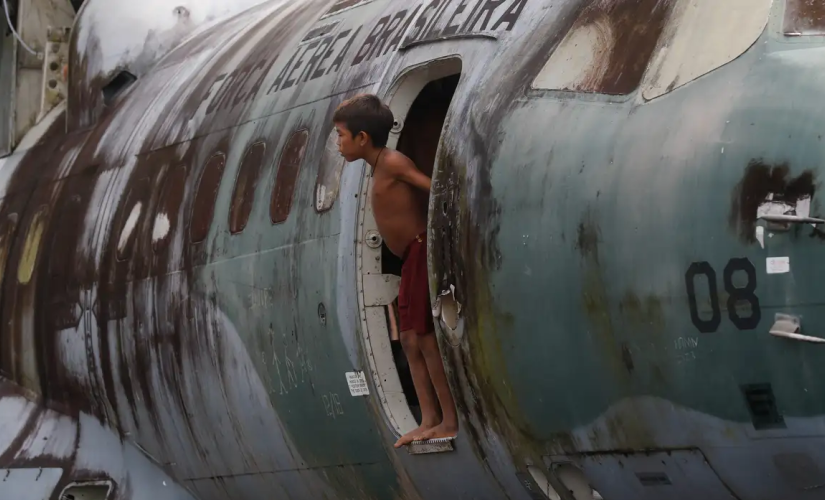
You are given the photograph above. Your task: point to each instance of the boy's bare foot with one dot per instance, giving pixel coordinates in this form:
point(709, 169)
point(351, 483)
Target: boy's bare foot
point(413, 435)
point(441, 430)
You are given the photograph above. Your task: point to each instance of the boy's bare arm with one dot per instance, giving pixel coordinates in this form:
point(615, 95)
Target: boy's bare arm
point(402, 168)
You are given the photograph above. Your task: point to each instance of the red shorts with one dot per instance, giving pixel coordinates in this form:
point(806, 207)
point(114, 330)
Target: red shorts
point(414, 309)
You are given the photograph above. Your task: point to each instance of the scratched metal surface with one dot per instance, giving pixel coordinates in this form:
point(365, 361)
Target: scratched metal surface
point(204, 370)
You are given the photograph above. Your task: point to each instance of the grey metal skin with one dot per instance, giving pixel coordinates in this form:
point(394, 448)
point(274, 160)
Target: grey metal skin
point(573, 226)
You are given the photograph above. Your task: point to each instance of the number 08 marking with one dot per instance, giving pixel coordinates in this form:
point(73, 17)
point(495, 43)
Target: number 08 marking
point(735, 295)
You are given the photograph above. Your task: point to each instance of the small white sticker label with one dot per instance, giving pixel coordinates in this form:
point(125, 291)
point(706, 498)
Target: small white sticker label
point(778, 265)
point(357, 384)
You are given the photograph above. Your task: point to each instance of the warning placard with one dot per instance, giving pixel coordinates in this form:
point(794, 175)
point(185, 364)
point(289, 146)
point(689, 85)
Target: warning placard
point(357, 384)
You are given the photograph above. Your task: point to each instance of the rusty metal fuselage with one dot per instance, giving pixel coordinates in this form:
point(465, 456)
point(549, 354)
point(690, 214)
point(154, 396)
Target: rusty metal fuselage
point(186, 275)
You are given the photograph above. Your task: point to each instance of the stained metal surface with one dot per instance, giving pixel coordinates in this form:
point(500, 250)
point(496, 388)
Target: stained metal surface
point(608, 48)
point(153, 347)
point(676, 475)
point(804, 17)
point(167, 215)
point(29, 484)
point(112, 36)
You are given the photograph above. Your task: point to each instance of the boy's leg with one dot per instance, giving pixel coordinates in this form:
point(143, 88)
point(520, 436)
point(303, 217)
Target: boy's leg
point(435, 366)
point(424, 389)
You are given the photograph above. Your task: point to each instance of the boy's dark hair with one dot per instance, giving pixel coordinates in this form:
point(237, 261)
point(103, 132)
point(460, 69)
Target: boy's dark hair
point(366, 113)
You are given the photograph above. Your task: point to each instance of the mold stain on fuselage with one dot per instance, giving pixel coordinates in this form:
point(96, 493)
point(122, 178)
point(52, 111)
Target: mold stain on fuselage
point(758, 182)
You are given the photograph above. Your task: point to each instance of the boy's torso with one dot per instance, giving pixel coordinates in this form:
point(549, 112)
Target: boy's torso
point(398, 212)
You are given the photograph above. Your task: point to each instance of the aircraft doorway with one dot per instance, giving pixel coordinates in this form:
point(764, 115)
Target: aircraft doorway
point(420, 102)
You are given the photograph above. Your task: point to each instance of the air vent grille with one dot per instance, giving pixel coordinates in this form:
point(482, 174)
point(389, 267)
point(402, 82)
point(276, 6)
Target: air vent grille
point(762, 406)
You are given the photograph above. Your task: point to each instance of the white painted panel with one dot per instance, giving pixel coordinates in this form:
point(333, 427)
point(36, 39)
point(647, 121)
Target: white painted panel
point(28, 484)
point(14, 413)
point(386, 371)
point(380, 289)
point(404, 420)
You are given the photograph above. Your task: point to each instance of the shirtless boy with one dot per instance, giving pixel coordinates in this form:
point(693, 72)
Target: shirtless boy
point(363, 124)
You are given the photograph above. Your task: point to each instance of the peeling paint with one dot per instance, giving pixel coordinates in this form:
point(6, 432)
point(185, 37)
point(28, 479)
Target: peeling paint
point(129, 226)
point(159, 230)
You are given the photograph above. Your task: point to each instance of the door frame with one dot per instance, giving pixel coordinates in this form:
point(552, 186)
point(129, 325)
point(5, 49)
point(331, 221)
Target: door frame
point(375, 290)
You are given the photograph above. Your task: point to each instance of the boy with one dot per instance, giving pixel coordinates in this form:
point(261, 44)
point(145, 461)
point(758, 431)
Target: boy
point(363, 124)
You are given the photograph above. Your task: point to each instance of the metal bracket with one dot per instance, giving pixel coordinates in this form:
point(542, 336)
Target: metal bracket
point(56, 59)
point(788, 326)
point(780, 215)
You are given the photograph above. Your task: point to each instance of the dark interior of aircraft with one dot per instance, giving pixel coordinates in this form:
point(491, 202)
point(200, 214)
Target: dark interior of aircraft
point(419, 141)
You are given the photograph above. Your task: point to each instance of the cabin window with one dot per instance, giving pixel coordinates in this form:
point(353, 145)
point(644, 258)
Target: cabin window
point(62, 263)
point(63, 284)
point(699, 40)
point(135, 208)
point(608, 47)
point(243, 196)
point(329, 174)
point(615, 47)
point(204, 206)
point(287, 176)
point(166, 216)
point(804, 17)
point(31, 247)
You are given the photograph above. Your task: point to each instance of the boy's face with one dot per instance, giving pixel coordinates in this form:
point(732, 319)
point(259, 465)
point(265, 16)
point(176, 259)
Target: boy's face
point(351, 148)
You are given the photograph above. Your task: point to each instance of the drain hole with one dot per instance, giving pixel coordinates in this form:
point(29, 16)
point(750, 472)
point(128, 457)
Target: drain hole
point(762, 406)
point(653, 478)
